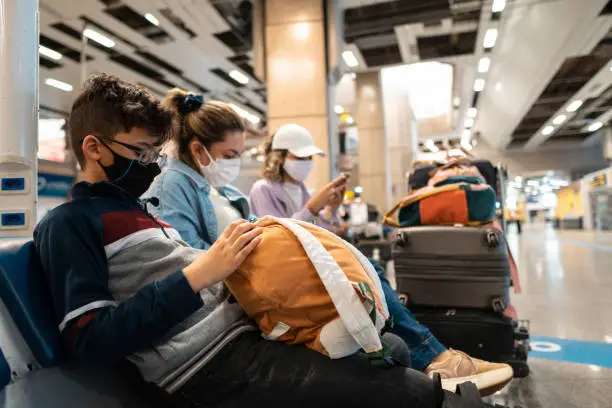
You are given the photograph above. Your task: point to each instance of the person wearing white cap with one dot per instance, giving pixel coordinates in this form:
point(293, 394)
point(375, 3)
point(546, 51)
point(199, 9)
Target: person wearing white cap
point(282, 192)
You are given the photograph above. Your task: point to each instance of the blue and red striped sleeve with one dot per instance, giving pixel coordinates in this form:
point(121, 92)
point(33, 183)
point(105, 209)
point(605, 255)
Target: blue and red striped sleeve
point(94, 326)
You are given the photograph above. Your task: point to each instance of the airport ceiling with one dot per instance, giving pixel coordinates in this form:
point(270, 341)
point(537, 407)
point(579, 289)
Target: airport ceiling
point(549, 53)
point(195, 45)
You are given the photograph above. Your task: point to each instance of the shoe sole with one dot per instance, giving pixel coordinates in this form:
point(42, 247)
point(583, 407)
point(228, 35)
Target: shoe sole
point(487, 383)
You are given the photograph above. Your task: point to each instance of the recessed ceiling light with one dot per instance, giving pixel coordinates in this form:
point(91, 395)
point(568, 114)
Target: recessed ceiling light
point(594, 126)
point(548, 130)
point(239, 77)
point(498, 86)
point(99, 38)
point(62, 86)
point(479, 84)
point(483, 64)
point(301, 31)
point(350, 59)
point(559, 119)
point(573, 107)
point(498, 6)
point(468, 123)
point(490, 38)
point(338, 109)
point(245, 114)
point(472, 112)
point(152, 19)
point(48, 52)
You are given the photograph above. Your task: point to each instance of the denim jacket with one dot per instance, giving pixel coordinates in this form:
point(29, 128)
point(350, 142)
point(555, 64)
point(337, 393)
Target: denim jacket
point(184, 203)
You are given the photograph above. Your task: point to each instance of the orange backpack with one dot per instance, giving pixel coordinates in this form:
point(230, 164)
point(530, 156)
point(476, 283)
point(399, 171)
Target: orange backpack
point(304, 285)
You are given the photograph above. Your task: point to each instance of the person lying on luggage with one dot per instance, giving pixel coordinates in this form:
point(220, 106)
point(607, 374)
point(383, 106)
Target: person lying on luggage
point(195, 197)
point(124, 285)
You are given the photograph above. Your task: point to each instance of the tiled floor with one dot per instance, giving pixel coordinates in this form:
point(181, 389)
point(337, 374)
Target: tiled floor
point(566, 278)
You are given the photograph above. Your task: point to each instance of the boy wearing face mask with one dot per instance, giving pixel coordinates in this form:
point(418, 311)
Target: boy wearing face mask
point(282, 192)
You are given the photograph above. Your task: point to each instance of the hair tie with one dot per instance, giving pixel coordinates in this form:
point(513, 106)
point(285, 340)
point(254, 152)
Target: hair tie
point(191, 103)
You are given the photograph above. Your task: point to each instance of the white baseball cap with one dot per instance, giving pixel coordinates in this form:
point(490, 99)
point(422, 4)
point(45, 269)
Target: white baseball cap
point(297, 140)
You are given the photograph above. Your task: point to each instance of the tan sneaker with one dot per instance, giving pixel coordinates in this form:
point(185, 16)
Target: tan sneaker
point(456, 367)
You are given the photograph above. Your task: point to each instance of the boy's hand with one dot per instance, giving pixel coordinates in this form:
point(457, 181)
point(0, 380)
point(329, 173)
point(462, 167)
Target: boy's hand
point(225, 256)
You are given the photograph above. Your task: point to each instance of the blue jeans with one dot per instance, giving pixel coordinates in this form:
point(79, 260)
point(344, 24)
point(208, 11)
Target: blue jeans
point(424, 347)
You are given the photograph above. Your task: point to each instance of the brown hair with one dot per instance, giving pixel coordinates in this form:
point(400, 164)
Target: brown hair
point(107, 106)
point(272, 168)
point(207, 122)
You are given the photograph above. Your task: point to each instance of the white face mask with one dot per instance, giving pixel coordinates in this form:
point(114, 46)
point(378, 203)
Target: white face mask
point(220, 172)
point(298, 169)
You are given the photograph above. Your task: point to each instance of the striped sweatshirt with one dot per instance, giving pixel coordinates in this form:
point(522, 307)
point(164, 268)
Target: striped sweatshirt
point(116, 279)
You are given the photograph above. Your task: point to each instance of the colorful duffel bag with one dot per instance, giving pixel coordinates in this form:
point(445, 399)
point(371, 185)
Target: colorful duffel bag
point(454, 200)
point(304, 285)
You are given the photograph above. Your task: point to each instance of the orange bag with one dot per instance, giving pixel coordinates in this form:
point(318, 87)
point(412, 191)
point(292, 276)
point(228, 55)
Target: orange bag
point(304, 285)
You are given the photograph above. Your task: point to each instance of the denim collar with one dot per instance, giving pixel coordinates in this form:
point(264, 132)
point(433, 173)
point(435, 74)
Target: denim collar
point(195, 176)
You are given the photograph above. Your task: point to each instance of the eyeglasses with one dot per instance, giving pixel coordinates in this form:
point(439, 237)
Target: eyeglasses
point(143, 156)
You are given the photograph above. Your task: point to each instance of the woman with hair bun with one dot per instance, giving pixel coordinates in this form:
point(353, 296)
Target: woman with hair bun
point(194, 191)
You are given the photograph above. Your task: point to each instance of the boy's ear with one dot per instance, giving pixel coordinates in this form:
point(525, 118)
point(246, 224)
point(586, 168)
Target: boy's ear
point(91, 148)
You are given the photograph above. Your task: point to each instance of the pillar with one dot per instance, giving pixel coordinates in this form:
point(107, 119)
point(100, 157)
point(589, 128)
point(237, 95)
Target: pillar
point(606, 139)
point(401, 129)
point(296, 75)
point(18, 116)
point(373, 154)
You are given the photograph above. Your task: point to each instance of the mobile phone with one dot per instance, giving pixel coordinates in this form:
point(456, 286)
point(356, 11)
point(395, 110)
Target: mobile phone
point(343, 180)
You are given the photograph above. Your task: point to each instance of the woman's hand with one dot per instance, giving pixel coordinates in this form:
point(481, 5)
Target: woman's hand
point(225, 256)
point(338, 197)
point(331, 195)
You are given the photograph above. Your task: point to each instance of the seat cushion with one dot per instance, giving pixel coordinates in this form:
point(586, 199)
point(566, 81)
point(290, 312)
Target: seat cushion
point(24, 291)
point(5, 371)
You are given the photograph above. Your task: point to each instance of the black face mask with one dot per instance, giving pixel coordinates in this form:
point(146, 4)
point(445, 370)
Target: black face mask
point(130, 175)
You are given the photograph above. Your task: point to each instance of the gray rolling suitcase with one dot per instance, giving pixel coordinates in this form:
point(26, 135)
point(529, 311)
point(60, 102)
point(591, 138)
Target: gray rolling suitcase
point(457, 267)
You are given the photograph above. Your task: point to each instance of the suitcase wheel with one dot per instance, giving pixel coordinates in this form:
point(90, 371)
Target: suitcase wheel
point(521, 334)
point(521, 369)
point(522, 352)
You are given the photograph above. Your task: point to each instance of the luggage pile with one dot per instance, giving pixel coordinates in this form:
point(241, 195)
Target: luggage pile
point(453, 265)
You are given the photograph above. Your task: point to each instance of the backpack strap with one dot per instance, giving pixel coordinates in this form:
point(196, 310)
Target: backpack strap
point(378, 358)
